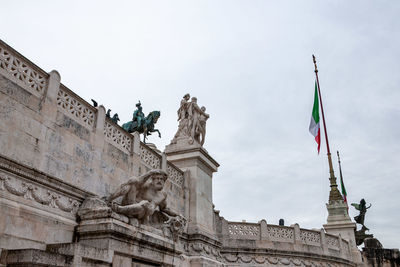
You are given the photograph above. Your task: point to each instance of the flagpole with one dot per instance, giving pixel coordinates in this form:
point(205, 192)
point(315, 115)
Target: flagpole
point(334, 194)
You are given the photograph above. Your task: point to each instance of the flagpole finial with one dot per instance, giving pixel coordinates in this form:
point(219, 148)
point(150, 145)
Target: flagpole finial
point(315, 63)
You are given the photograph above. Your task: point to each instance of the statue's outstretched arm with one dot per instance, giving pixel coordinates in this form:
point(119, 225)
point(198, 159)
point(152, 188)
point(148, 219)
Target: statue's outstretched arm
point(122, 190)
point(370, 205)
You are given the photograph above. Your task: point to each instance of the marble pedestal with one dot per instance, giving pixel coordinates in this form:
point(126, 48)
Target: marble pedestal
point(339, 223)
point(201, 166)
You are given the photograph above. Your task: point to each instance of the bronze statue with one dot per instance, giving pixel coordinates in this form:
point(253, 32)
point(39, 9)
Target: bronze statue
point(142, 124)
point(360, 234)
point(138, 115)
point(362, 207)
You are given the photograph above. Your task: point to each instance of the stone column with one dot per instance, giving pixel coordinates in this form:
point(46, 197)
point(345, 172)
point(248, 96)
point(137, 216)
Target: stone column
point(201, 166)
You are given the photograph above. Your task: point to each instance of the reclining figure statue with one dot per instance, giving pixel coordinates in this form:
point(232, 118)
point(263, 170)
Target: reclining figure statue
point(142, 196)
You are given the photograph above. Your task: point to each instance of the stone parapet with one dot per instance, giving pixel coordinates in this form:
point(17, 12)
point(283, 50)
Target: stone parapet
point(245, 235)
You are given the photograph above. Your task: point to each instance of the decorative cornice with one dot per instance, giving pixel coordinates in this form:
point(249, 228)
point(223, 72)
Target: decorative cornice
point(29, 184)
point(283, 260)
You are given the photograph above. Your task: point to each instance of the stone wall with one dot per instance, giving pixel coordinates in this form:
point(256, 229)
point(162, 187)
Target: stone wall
point(48, 130)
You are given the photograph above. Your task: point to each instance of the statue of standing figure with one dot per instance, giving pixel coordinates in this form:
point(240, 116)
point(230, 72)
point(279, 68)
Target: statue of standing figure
point(360, 234)
point(192, 121)
point(362, 207)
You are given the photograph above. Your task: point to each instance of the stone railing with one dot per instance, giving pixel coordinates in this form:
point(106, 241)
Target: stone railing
point(150, 157)
point(75, 107)
point(175, 175)
point(244, 230)
point(287, 234)
point(332, 241)
point(118, 137)
point(23, 72)
point(310, 237)
point(280, 233)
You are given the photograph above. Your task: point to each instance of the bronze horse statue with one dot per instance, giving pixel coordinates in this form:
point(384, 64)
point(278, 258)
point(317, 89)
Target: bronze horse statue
point(146, 127)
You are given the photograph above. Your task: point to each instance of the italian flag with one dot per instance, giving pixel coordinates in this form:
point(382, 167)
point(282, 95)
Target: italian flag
point(314, 123)
point(344, 193)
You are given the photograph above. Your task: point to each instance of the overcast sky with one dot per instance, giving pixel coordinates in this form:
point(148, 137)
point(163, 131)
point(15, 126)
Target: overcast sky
point(249, 63)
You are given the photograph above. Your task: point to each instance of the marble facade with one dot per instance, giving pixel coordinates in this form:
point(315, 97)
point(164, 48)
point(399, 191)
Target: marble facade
point(60, 157)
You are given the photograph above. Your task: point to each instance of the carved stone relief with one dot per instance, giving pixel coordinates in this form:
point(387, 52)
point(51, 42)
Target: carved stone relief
point(18, 187)
point(264, 260)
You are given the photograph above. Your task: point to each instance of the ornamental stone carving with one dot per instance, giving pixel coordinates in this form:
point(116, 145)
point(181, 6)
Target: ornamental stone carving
point(22, 72)
point(192, 122)
point(279, 233)
point(332, 241)
point(241, 230)
point(36, 193)
point(308, 236)
point(117, 137)
point(266, 260)
point(175, 175)
point(151, 158)
point(73, 106)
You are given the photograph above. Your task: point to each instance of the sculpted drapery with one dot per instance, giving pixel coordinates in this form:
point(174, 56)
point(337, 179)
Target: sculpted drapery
point(192, 121)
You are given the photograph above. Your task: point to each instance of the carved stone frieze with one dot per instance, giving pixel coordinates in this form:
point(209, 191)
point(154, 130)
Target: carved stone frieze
point(39, 194)
point(206, 250)
point(117, 137)
point(266, 260)
point(75, 107)
point(19, 69)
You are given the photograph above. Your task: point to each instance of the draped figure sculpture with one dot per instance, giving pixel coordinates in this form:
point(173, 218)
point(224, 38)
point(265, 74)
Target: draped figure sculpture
point(192, 122)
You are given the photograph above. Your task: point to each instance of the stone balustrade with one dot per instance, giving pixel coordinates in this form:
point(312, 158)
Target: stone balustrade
point(276, 234)
point(23, 72)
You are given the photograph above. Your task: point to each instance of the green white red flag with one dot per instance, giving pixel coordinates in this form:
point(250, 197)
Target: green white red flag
point(344, 193)
point(314, 123)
